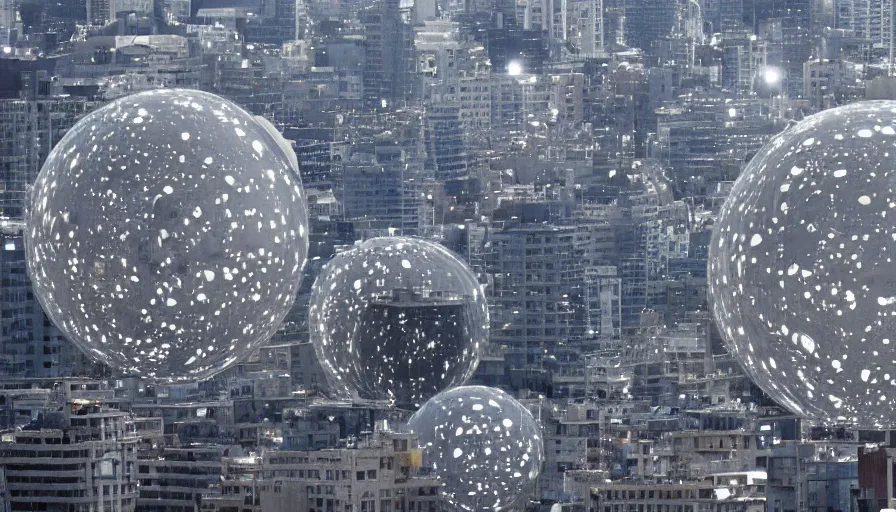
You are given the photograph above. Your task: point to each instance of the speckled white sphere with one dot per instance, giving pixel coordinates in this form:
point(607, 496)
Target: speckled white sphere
point(397, 319)
point(802, 277)
point(483, 445)
point(166, 234)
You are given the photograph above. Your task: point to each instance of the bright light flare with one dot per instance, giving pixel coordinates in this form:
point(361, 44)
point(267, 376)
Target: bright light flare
point(772, 76)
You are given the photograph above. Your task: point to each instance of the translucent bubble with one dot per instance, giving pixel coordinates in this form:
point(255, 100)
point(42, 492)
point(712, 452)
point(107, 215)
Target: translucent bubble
point(166, 234)
point(802, 277)
point(397, 319)
point(483, 445)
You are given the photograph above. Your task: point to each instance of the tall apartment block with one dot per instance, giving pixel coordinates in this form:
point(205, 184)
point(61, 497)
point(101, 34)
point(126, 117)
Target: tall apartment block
point(536, 275)
point(30, 346)
point(79, 458)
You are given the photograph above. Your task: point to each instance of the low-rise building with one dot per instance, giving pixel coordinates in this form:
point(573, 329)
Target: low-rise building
point(81, 458)
point(723, 492)
point(173, 479)
point(380, 473)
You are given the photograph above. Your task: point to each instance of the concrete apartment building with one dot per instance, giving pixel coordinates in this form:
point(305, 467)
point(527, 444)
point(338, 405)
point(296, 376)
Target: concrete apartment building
point(173, 478)
point(378, 473)
point(79, 457)
point(722, 492)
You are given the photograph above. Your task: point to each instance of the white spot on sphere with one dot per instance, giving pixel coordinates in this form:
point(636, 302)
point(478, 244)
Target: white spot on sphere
point(458, 452)
point(170, 302)
point(755, 240)
point(864, 200)
point(865, 133)
point(405, 264)
point(185, 136)
point(807, 342)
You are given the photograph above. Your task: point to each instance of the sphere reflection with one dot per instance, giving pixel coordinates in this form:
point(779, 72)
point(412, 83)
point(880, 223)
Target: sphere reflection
point(397, 319)
point(166, 234)
point(801, 266)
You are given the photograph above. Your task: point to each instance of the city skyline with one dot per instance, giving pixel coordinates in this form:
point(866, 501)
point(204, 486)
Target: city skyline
point(573, 155)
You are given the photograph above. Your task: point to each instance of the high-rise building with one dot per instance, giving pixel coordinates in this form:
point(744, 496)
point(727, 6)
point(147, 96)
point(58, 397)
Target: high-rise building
point(445, 149)
point(29, 128)
point(62, 15)
point(382, 194)
point(731, 15)
point(98, 12)
point(30, 345)
point(787, 26)
point(389, 64)
point(648, 21)
point(176, 11)
point(602, 297)
point(7, 20)
point(589, 18)
point(549, 16)
point(796, 27)
point(140, 7)
point(280, 21)
point(871, 20)
point(536, 285)
point(744, 57)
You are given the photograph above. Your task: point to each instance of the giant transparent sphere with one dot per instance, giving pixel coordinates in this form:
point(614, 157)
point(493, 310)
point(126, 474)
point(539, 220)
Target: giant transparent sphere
point(166, 234)
point(483, 445)
point(802, 272)
point(397, 319)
